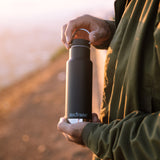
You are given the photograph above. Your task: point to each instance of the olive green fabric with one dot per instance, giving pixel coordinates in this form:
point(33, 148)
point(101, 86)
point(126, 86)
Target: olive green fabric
point(131, 102)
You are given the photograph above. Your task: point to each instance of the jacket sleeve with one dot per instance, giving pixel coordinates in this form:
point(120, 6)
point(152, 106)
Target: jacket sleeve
point(137, 136)
point(157, 40)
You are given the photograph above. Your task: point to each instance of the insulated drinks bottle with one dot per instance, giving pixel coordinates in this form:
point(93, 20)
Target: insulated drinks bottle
point(78, 104)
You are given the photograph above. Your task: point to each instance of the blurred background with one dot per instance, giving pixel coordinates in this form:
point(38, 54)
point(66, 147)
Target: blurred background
point(32, 76)
point(30, 31)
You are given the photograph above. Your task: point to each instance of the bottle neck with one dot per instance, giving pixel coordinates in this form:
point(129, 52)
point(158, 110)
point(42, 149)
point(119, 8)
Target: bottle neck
point(80, 48)
point(82, 42)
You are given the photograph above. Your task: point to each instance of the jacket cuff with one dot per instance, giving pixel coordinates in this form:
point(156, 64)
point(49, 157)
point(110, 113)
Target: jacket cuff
point(86, 132)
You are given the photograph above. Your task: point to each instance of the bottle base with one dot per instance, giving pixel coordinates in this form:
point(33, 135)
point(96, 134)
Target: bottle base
point(77, 120)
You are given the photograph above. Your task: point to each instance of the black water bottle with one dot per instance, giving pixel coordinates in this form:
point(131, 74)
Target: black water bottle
point(78, 104)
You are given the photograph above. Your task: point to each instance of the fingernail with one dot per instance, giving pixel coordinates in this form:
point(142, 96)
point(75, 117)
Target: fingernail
point(61, 119)
point(94, 38)
point(67, 45)
point(67, 39)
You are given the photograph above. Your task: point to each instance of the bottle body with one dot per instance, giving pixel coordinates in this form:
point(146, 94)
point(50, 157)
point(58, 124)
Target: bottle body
point(78, 104)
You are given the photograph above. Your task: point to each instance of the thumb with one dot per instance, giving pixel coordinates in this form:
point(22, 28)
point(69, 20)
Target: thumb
point(95, 118)
point(95, 36)
point(63, 125)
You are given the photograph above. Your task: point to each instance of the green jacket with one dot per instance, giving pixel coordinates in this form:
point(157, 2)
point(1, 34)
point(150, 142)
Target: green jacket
point(130, 111)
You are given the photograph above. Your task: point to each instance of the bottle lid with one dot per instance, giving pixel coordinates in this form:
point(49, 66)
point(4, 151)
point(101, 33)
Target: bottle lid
point(80, 42)
point(81, 37)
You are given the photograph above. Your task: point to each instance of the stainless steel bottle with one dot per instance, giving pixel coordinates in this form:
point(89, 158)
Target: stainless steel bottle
point(78, 104)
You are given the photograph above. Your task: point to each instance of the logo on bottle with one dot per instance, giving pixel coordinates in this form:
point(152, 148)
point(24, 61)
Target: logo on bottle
point(78, 115)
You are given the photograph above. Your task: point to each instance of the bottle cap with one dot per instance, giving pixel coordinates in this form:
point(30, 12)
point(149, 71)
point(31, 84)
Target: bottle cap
point(81, 37)
point(80, 42)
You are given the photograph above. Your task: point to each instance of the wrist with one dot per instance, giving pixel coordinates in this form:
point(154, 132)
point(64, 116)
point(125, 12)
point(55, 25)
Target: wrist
point(112, 28)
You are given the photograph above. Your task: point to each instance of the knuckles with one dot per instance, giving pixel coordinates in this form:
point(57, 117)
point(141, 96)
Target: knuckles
point(71, 22)
point(86, 16)
point(80, 18)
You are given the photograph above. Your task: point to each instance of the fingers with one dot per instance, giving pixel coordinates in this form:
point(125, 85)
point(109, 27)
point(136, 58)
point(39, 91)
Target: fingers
point(72, 139)
point(67, 32)
point(64, 126)
point(98, 28)
point(72, 26)
point(63, 36)
point(74, 130)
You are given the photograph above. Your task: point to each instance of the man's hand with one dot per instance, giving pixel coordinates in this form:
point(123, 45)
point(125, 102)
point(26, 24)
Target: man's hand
point(98, 28)
point(73, 132)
